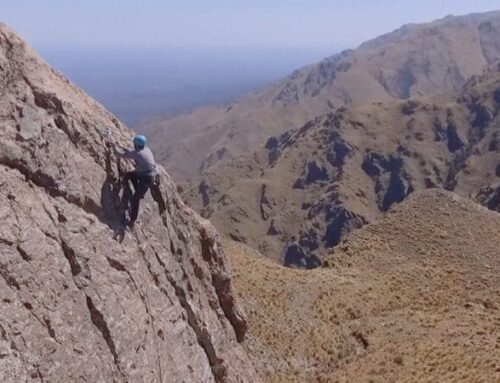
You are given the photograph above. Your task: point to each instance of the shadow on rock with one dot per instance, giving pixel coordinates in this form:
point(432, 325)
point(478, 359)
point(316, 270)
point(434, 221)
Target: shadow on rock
point(114, 206)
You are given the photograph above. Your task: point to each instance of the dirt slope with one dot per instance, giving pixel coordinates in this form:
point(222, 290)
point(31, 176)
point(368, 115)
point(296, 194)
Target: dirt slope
point(413, 297)
point(304, 190)
point(414, 60)
point(79, 302)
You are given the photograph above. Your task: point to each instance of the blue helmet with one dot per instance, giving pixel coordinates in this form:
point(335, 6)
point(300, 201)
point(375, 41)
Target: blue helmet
point(140, 141)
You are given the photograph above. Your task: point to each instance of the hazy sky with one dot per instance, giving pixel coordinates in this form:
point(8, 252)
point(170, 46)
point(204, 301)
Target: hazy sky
point(195, 23)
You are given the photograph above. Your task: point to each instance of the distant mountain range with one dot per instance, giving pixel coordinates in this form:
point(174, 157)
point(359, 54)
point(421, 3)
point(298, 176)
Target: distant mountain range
point(410, 110)
point(307, 188)
point(415, 60)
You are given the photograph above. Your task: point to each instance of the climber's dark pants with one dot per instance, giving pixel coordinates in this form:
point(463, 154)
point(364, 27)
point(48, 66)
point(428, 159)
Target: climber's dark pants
point(141, 186)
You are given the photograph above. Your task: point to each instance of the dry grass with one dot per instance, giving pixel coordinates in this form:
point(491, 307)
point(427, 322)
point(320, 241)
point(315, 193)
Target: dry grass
point(414, 297)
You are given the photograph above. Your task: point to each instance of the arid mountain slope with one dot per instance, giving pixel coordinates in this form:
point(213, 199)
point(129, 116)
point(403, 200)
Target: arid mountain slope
point(77, 303)
point(413, 297)
point(306, 189)
point(415, 60)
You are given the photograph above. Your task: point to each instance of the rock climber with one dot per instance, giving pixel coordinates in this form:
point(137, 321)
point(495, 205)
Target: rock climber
point(142, 177)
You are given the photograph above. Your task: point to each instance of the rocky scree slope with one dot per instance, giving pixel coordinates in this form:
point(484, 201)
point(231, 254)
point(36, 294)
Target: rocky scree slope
point(413, 297)
point(415, 60)
point(305, 189)
point(77, 304)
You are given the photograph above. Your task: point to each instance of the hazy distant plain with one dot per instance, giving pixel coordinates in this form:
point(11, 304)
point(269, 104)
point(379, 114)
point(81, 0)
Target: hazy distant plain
point(138, 83)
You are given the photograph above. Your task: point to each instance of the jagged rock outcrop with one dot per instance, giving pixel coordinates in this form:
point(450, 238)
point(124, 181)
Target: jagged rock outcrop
point(312, 173)
point(489, 196)
point(392, 183)
point(82, 300)
point(327, 222)
point(266, 203)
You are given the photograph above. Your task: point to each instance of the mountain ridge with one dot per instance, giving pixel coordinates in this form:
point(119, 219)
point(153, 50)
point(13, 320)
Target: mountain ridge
point(423, 59)
point(307, 188)
point(410, 297)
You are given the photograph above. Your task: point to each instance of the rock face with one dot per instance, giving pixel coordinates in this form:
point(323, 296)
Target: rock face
point(342, 170)
point(81, 300)
point(392, 183)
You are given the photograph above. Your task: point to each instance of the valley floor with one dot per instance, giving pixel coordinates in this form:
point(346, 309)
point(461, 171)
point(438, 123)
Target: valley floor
point(414, 297)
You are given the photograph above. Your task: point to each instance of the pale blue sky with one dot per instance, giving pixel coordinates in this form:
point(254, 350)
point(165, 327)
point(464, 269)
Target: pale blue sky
point(197, 23)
